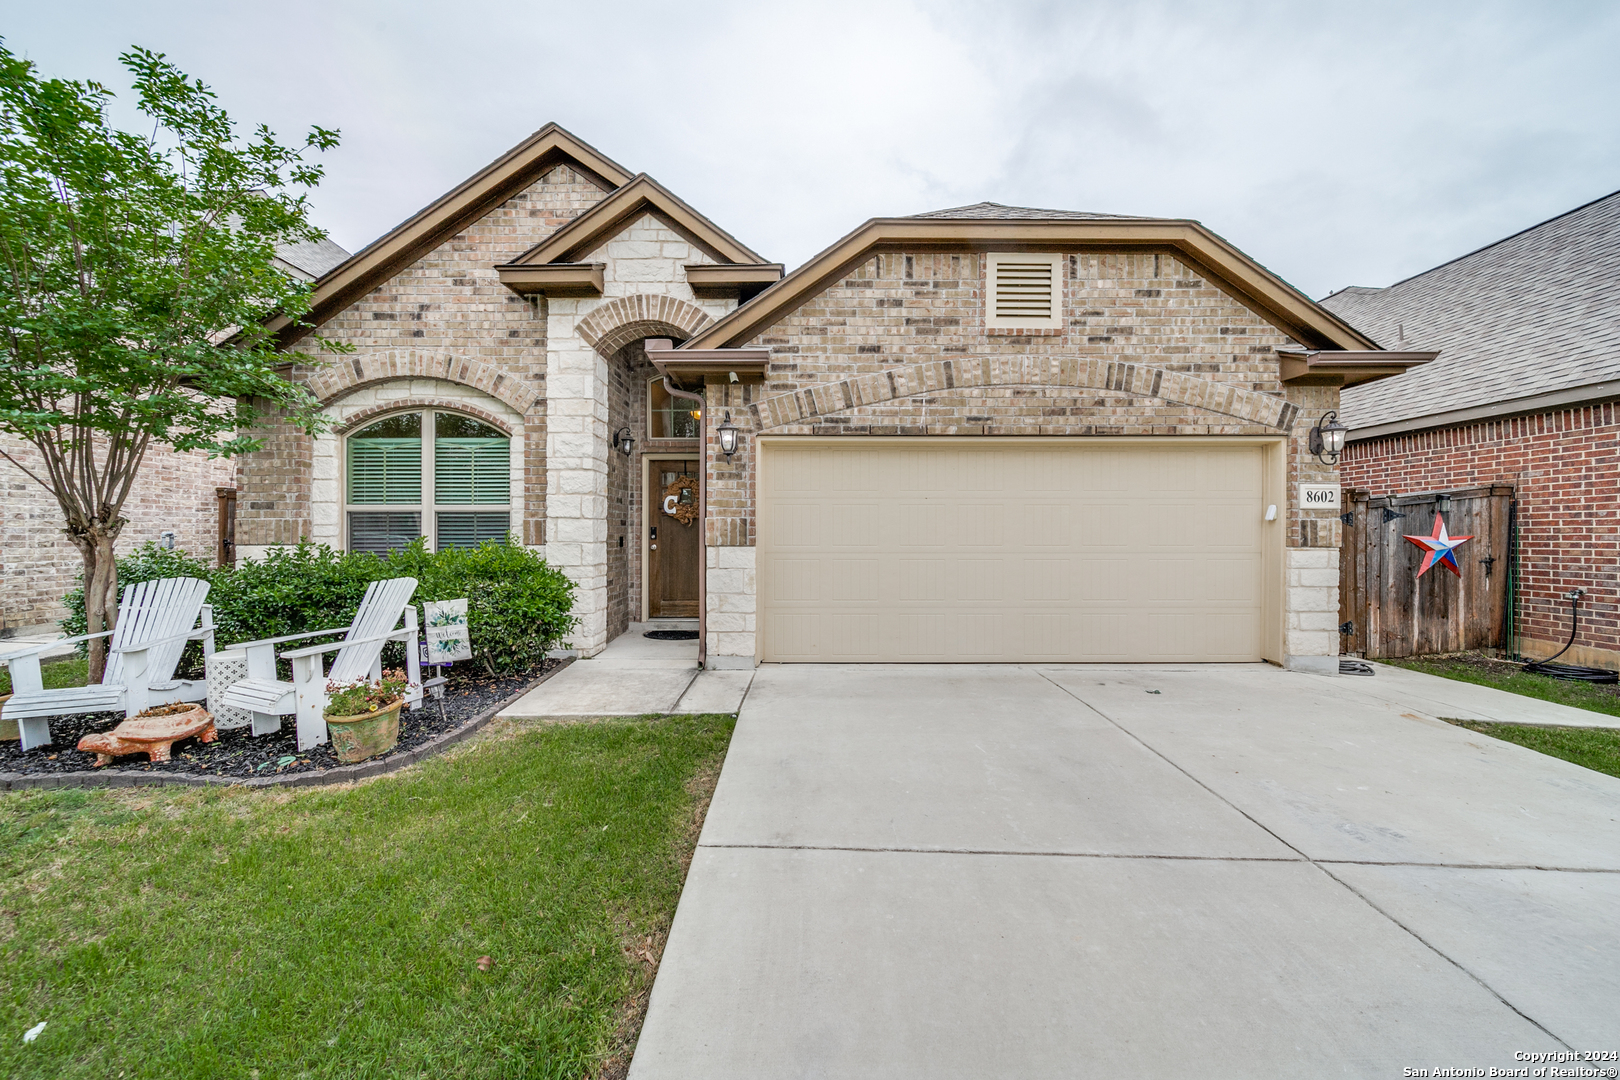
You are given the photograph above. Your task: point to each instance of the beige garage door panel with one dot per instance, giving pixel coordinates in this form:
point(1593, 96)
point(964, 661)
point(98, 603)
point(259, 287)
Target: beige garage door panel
point(927, 552)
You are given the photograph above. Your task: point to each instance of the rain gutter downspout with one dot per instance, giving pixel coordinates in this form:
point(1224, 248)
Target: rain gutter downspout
point(703, 510)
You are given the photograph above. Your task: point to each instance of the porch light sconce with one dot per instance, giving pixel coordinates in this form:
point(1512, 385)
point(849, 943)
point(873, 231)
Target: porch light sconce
point(1442, 504)
point(623, 441)
point(1327, 439)
point(730, 437)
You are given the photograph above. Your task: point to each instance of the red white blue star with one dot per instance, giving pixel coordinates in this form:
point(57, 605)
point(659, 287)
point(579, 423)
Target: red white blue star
point(1439, 547)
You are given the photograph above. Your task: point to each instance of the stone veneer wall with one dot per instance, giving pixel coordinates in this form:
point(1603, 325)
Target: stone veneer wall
point(644, 295)
point(38, 564)
point(899, 347)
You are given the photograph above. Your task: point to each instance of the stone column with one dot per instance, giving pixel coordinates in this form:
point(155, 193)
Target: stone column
point(577, 472)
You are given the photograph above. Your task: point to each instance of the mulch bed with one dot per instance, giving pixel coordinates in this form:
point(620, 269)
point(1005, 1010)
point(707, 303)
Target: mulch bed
point(237, 754)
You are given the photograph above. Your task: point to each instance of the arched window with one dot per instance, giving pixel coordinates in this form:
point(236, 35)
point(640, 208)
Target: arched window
point(454, 488)
point(670, 417)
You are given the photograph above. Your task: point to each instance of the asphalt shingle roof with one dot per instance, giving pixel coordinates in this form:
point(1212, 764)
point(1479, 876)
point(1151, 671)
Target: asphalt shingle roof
point(313, 259)
point(1532, 314)
point(995, 211)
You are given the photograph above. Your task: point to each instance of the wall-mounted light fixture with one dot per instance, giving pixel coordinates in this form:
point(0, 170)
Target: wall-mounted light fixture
point(730, 437)
point(623, 441)
point(1442, 504)
point(1327, 439)
point(166, 539)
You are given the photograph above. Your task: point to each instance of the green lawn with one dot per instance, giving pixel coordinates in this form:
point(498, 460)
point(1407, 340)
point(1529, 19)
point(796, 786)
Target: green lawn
point(1486, 672)
point(55, 673)
point(336, 932)
point(1595, 748)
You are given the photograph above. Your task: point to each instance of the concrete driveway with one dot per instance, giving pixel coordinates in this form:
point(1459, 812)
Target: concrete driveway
point(1133, 871)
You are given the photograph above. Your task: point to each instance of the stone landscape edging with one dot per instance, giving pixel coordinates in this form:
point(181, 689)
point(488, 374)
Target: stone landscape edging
point(338, 774)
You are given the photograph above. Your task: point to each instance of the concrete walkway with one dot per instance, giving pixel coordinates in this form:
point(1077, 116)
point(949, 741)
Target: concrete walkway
point(633, 676)
point(1134, 871)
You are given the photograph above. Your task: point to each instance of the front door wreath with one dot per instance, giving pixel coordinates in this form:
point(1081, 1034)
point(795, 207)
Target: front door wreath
point(680, 499)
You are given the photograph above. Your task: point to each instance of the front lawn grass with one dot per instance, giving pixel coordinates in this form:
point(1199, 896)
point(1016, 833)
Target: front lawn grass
point(260, 934)
point(1595, 748)
point(1474, 668)
point(53, 673)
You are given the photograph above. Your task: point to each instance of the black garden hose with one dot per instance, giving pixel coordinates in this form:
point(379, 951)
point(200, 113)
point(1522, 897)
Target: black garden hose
point(1571, 672)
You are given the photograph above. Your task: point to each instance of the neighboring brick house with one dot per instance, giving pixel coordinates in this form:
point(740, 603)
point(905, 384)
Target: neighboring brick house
point(175, 492)
point(989, 433)
point(1524, 392)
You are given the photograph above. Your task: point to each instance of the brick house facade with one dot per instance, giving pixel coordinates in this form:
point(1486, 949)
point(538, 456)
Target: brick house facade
point(556, 305)
point(1524, 393)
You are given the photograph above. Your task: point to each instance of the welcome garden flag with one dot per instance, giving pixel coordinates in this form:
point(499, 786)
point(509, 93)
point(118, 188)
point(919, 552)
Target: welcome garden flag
point(447, 637)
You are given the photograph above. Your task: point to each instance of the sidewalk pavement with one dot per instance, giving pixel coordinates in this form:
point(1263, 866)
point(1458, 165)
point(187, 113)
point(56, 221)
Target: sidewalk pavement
point(631, 677)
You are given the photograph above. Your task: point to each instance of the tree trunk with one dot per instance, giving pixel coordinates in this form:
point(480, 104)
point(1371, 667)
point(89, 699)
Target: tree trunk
point(100, 590)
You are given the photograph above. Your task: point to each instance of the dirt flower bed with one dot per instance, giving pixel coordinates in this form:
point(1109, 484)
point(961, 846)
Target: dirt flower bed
point(238, 753)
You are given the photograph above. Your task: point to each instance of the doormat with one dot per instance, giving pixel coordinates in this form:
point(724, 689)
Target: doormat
point(671, 635)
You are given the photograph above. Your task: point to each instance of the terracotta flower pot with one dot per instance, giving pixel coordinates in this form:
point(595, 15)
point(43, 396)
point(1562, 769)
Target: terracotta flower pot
point(8, 728)
point(356, 738)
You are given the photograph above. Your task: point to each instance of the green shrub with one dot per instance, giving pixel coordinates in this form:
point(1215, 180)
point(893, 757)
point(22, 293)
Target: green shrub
point(294, 590)
point(517, 606)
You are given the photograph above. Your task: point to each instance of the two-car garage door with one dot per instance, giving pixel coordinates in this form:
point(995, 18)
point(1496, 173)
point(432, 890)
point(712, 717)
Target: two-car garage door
point(901, 550)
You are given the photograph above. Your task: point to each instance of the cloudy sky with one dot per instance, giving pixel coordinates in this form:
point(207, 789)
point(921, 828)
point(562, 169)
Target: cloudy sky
point(1338, 143)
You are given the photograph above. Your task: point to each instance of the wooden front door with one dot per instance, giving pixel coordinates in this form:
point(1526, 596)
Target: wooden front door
point(672, 548)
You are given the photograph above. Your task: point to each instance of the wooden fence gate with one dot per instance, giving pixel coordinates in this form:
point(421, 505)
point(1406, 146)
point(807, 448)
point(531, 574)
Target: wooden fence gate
point(1386, 611)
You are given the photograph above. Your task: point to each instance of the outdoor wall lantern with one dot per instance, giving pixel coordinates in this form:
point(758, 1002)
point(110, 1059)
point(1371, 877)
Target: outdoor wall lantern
point(623, 441)
point(1327, 439)
point(1442, 504)
point(730, 437)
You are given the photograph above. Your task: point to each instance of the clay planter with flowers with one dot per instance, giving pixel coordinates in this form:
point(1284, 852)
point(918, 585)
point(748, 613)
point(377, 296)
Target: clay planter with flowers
point(363, 717)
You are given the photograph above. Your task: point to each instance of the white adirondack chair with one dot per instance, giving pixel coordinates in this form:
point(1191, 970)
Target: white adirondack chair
point(359, 656)
point(155, 620)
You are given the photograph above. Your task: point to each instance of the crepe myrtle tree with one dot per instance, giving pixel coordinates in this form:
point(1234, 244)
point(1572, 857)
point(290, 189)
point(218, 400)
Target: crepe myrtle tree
point(136, 281)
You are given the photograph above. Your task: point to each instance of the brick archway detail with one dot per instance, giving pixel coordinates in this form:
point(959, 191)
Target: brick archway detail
point(617, 323)
point(346, 374)
point(1071, 372)
point(360, 419)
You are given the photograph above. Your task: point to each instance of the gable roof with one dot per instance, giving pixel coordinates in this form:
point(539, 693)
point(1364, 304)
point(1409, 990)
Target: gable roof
point(1527, 322)
point(989, 211)
point(444, 217)
point(1024, 228)
point(641, 195)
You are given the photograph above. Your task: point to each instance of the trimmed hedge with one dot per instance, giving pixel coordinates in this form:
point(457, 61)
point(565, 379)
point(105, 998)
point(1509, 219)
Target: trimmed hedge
point(518, 607)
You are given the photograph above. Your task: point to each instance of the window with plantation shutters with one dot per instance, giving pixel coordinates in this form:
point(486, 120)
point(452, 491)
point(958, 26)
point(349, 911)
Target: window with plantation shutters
point(471, 470)
point(1025, 291)
point(434, 474)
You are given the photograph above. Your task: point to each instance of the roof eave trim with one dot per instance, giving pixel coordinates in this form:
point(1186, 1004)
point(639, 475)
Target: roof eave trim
point(739, 365)
point(1213, 256)
point(1346, 367)
point(1591, 394)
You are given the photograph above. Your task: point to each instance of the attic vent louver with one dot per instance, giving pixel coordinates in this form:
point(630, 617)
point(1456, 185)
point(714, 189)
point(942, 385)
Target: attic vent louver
point(1026, 291)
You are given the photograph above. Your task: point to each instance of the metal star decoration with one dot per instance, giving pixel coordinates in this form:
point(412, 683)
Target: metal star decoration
point(1439, 547)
